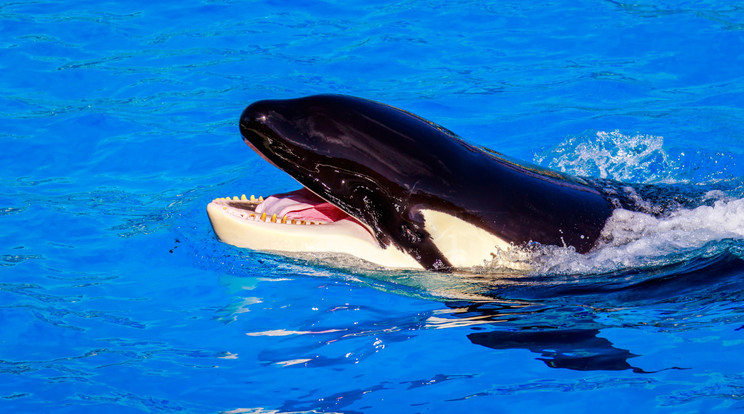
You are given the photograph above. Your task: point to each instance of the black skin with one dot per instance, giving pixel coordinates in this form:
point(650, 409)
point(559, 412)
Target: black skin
point(383, 165)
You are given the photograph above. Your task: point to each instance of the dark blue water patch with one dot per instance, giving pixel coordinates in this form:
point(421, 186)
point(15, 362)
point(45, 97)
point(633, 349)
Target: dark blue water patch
point(13, 259)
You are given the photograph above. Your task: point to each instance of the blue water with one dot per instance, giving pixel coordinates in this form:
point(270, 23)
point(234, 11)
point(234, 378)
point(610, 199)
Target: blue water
point(120, 125)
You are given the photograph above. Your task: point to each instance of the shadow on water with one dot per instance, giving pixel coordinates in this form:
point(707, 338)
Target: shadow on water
point(559, 319)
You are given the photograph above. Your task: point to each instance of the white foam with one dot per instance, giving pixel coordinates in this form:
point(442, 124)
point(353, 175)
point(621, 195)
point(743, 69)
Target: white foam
point(633, 240)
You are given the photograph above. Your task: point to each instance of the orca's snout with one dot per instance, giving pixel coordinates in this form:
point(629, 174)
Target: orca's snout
point(256, 122)
point(255, 114)
point(260, 125)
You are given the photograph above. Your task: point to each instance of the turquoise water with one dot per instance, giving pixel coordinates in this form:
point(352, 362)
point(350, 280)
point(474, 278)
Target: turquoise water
point(120, 125)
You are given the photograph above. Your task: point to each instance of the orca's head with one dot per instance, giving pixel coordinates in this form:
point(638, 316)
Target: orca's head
point(390, 187)
point(361, 163)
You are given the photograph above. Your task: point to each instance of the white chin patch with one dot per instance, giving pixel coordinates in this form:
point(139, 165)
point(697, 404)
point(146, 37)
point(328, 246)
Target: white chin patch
point(462, 243)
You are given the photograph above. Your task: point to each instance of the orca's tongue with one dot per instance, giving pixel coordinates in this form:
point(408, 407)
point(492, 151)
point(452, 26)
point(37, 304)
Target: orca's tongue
point(300, 205)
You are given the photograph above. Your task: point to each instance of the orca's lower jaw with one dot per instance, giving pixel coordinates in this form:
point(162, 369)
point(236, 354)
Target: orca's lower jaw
point(299, 222)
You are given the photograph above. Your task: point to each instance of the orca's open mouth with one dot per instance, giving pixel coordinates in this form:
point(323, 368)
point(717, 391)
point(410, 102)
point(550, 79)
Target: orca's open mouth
point(300, 207)
point(298, 222)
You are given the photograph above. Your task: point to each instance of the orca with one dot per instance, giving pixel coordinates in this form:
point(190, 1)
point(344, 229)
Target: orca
point(397, 190)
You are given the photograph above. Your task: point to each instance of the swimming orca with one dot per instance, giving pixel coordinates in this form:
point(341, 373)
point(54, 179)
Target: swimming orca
point(394, 189)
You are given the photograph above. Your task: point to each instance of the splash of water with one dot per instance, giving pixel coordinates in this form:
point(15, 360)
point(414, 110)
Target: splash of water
point(613, 155)
point(632, 239)
point(638, 158)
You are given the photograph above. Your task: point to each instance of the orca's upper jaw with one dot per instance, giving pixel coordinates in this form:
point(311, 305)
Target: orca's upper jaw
point(269, 127)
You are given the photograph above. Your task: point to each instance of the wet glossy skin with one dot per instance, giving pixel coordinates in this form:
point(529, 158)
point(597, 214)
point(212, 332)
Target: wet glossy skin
point(383, 166)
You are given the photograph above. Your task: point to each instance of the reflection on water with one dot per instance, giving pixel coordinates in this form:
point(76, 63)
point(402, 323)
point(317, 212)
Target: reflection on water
point(567, 321)
point(579, 349)
point(564, 336)
point(570, 336)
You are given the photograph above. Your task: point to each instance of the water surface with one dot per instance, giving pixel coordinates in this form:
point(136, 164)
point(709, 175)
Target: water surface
point(120, 125)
